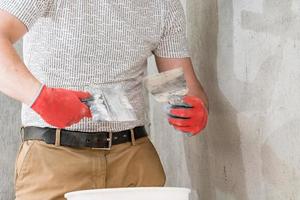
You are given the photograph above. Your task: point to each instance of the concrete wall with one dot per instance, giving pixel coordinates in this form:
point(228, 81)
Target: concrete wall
point(9, 141)
point(246, 53)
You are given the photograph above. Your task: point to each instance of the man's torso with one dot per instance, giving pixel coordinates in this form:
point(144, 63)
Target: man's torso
point(100, 43)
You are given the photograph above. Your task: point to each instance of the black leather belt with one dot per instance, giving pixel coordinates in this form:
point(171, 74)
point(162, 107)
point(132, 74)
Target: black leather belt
point(77, 139)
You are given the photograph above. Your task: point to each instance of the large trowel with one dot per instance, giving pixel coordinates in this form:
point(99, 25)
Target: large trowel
point(168, 87)
point(167, 84)
point(109, 104)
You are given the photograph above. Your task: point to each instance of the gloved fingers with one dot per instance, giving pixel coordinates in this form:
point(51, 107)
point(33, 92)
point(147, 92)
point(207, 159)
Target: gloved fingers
point(82, 95)
point(58, 125)
point(193, 101)
point(74, 120)
point(71, 123)
point(179, 122)
point(85, 111)
point(192, 114)
point(189, 130)
point(181, 112)
point(88, 114)
point(201, 126)
point(204, 122)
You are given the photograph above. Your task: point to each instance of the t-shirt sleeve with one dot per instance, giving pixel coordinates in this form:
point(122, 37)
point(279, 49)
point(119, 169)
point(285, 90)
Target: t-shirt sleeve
point(173, 42)
point(27, 11)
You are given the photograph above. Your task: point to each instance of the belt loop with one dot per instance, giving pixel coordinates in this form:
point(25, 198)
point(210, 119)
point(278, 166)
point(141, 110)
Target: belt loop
point(132, 137)
point(22, 133)
point(57, 137)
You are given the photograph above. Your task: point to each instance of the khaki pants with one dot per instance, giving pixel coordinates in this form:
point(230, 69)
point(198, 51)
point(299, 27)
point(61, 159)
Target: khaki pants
point(47, 172)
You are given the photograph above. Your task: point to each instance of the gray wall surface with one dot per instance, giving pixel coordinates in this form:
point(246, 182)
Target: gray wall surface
point(247, 54)
point(9, 141)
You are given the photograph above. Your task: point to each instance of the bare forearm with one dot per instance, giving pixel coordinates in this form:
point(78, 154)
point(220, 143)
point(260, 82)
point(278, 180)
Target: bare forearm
point(196, 89)
point(15, 79)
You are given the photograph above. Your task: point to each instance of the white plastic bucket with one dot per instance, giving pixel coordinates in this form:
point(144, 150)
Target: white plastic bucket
point(132, 193)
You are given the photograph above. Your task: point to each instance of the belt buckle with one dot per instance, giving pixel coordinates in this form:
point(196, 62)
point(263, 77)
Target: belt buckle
point(109, 140)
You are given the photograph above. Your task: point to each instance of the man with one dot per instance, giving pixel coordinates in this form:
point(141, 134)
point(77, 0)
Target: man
point(71, 45)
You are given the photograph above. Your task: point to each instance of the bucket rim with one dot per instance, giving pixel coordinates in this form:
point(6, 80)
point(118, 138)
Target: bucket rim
point(123, 189)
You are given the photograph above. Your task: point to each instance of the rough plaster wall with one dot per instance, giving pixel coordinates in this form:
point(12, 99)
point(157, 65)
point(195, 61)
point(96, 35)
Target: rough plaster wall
point(258, 74)
point(246, 53)
point(9, 142)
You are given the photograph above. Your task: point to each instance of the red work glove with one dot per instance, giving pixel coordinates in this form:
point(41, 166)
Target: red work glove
point(192, 119)
point(60, 107)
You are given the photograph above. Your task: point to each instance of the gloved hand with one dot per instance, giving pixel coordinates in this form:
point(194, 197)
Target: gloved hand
point(190, 119)
point(60, 107)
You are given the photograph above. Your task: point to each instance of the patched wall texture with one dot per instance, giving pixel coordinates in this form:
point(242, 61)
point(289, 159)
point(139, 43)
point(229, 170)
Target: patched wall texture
point(247, 55)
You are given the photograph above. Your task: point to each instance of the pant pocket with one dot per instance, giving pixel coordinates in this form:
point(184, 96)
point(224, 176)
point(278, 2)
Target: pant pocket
point(47, 171)
point(22, 160)
point(154, 174)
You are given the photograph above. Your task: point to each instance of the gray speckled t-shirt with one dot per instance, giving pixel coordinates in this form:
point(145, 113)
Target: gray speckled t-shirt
point(73, 44)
